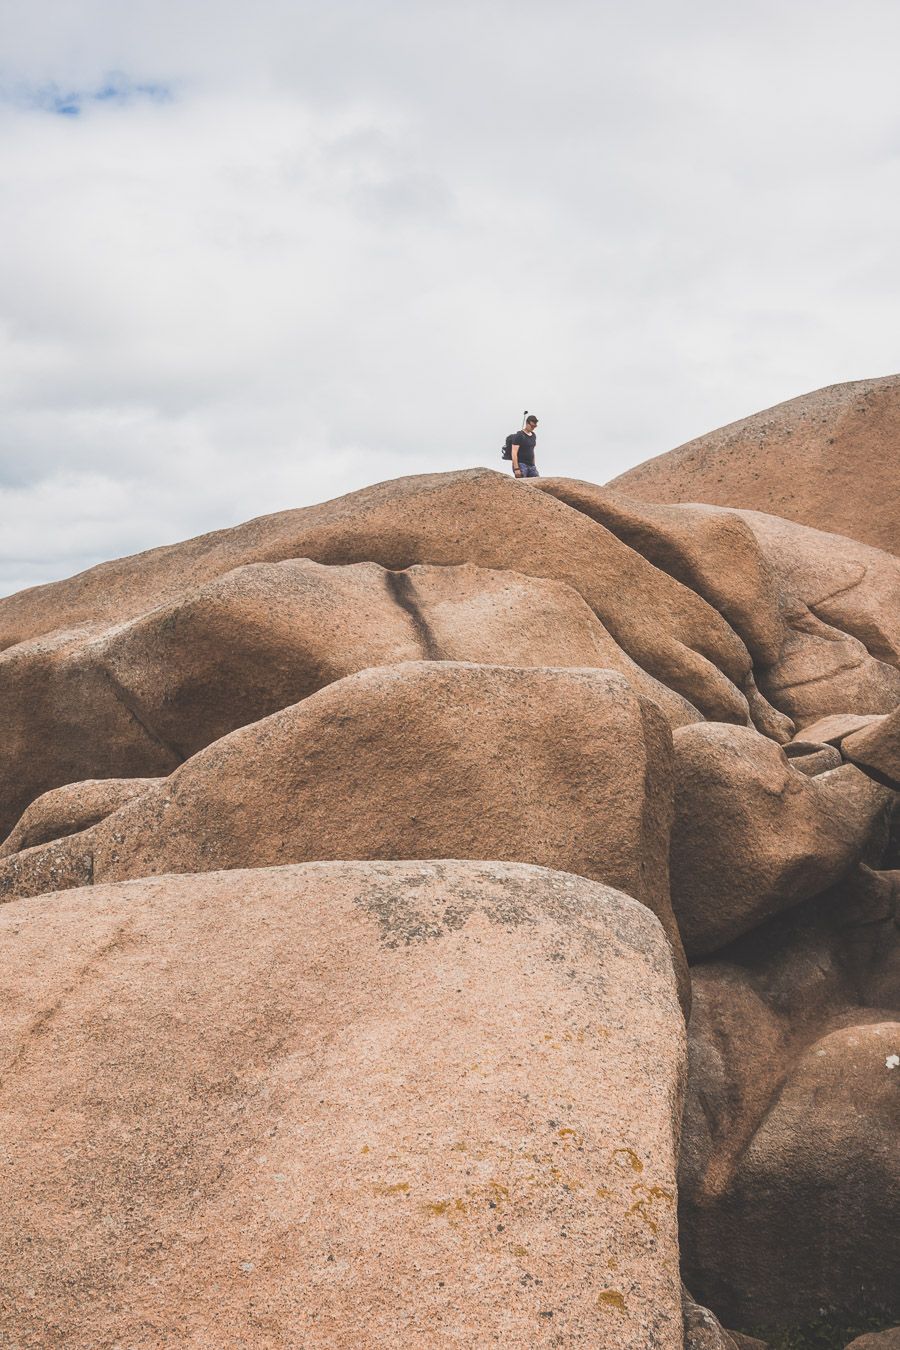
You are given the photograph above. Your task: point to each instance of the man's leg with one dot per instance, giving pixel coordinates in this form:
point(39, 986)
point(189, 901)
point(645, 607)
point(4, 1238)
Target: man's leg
point(529, 471)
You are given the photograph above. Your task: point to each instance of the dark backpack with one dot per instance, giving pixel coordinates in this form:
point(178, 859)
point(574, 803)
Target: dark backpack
point(506, 452)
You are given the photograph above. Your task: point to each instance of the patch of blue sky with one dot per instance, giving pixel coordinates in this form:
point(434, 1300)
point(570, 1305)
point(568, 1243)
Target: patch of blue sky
point(116, 90)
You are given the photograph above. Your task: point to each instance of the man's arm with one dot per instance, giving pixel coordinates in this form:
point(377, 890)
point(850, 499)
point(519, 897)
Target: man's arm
point(515, 461)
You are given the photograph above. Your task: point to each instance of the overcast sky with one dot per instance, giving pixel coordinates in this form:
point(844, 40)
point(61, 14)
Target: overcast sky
point(254, 255)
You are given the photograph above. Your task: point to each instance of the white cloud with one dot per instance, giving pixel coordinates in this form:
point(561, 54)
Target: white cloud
point(358, 238)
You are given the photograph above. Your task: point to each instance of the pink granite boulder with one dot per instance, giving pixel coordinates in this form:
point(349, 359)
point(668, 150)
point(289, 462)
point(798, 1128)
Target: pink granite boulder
point(340, 1104)
point(561, 768)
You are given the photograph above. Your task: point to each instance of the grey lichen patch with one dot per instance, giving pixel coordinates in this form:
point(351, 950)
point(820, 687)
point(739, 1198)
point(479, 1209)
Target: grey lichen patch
point(403, 917)
point(509, 912)
point(455, 916)
point(408, 907)
point(401, 922)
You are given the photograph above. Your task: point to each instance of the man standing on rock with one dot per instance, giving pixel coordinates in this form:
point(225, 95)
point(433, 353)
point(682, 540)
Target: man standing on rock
point(523, 465)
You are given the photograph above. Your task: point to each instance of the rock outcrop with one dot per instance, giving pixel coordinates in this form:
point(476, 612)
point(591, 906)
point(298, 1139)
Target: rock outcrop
point(568, 769)
point(791, 1114)
point(272, 1075)
point(876, 749)
point(143, 696)
point(71, 809)
point(828, 459)
point(475, 517)
point(406, 1104)
point(827, 1144)
point(752, 836)
point(820, 614)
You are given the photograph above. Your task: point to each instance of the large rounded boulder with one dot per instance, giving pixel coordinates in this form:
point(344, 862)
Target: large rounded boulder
point(753, 836)
point(141, 697)
point(823, 1161)
point(339, 1105)
point(562, 768)
point(829, 459)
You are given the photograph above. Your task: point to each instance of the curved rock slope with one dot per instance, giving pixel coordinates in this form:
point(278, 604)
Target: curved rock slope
point(819, 614)
point(830, 459)
point(340, 1105)
point(567, 769)
point(143, 696)
point(274, 1076)
point(134, 666)
point(790, 1134)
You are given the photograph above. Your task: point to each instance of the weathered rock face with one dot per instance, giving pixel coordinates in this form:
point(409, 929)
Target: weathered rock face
point(562, 768)
point(812, 758)
point(73, 808)
point(475, 516)
point(819, 613)
point(752, 836)
point(876, 749)
point(822, 670)
point(147, 694)
point(340, 1104)
point(847, 584)
point(791, 1111)
point(832, 730)
point(827, 1145)
point(385, 1101)
point(877, 1340)
point(65, 721)
point(171, 650)
point(829, 459)
point(715, 553)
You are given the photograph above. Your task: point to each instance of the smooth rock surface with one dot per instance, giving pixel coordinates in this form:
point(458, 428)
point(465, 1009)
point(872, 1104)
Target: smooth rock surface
point(822, 670)
point(232, 1098)
point(561, 768)
point(840, 606)
point(715, 553)
point(769, 995)
point(473, 516)
point(829, 459)
point(831, 730)
point(753, 836)
point(819, 613)
point(827, 1147)
point(876, 749)
point(340, 1105)
point(847, 584)
point(66, 721)
point(761, 1011)
point(153, 691)
point(268, 635)
point(811, 758)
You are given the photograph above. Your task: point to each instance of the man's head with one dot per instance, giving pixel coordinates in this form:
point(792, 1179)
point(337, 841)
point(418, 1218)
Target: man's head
point(531, 423)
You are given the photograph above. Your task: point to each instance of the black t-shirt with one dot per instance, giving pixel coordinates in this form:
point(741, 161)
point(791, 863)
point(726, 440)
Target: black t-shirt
point(526, 443)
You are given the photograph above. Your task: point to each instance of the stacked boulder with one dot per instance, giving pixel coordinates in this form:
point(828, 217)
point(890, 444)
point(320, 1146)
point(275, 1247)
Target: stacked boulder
point(454, 914)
